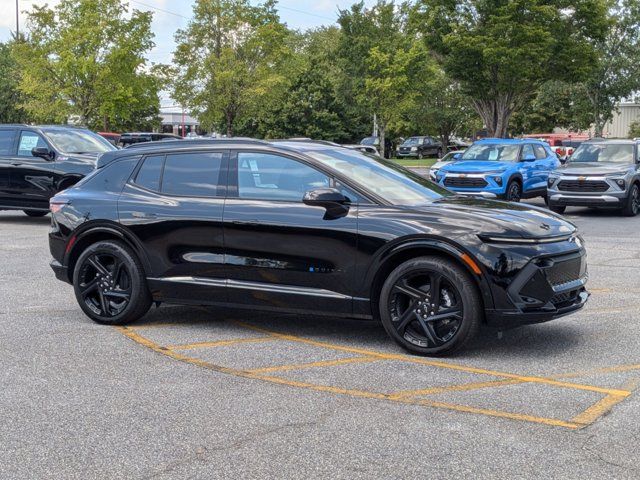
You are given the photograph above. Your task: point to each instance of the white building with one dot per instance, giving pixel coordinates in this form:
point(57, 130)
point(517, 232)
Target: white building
point(618, 127)
point(173, 120)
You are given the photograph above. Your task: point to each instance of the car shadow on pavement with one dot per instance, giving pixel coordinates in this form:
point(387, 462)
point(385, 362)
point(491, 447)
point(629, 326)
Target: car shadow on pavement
point(22, 219)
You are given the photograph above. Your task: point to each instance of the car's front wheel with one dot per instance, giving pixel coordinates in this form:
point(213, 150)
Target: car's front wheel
point(110, 284)
point(35, 213)
point(632, 204)
point(514, 191)
point(430, 306)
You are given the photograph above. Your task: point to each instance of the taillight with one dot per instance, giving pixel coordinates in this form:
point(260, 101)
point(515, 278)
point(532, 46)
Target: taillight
point(561, 151)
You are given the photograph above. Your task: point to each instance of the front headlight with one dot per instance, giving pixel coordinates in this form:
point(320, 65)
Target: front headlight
point(414, 149)
point(490, 238)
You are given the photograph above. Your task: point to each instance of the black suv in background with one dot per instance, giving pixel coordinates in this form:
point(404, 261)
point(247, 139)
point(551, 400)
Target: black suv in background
point(420, 147)
point(36, 162)
point(309, 227)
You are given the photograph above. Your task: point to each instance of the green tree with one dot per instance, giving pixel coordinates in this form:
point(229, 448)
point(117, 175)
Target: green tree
point(634, 129)
point(228, 61)
point(502, 51)
point(616, 71)
point(10, 97)
point(85, 58)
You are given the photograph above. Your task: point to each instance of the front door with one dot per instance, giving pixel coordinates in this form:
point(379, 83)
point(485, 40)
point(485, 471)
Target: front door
point(281, 253)
point(174, 205)
point(32, 179)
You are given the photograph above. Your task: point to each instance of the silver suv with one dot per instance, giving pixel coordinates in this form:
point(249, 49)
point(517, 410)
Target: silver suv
point(600, 173)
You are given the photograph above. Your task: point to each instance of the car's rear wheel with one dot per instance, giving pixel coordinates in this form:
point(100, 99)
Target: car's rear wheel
point(430, 306)
point(110, 284)
point(420, 155)
point(35, 213)
point(632, 204)
point(514, 191)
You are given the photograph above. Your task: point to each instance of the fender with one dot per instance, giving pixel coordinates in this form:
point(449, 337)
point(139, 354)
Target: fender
point(439, 244)
point(111, 228)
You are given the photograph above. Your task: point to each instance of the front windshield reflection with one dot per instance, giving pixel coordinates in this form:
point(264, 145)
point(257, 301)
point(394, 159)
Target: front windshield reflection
point(491, 152)
point(603, 152)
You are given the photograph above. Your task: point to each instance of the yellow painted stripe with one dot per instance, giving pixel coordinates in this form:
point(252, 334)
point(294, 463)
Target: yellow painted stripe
point(601, 407)
point(453, 388)
point(435, 363)
point(343, 391)
point(324, 363)
point(220, 343)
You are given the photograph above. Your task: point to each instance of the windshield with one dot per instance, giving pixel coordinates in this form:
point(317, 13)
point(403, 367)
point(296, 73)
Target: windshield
point(78, 141)
point(492, 152)
point(392, 182)
point(369, 141)
point(603, 152)
point(413, 141)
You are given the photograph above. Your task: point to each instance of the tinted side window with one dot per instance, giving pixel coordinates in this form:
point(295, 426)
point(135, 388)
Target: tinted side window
point(540, 152)
point(271, 177)
point(353, 197)
point(6, 141)
point(28, 141)
point(149, 174)
point(192, 174)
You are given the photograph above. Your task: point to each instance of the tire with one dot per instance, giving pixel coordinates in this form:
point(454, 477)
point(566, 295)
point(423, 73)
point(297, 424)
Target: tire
point(439, 153)
point(35, 213)
point(513, 193)
point(632, 203)
point(110, 284)
point(420, 155)
point(559, 209)
point(408, 317)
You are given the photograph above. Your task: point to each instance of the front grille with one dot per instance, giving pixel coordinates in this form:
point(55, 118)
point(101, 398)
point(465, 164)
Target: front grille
point(564, 271)
point(565, 299)
point(465, 182)
point(583, 186)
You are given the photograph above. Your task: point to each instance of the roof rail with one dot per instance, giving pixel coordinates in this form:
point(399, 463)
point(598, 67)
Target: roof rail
point(307, 140)
point(196, 141)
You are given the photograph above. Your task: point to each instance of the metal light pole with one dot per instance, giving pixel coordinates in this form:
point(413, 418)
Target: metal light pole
point(17, 21)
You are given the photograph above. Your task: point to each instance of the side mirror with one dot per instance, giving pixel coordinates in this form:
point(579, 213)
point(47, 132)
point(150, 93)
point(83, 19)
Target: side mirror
point(529, 158)
point(42, 152)
point(336, 204)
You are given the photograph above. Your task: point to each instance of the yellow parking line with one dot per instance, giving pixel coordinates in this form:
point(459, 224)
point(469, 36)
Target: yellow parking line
point(220, 343)
point(324, 363)
point(453, 388)
point(603, 406)
point(435, 363)
point(337, 390)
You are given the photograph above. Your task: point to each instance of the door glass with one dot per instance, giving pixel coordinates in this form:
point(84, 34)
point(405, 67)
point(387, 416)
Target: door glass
point(6, 141)
point(271, 177)
point(149, 174)
point(540, 152)
point(527, 151)
point(29, 141)
point(353, 197)
point(192, 174)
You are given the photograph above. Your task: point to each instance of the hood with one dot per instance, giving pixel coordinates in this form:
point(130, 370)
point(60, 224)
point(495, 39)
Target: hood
point(593, 168)
point(503, 218)
point(474, 166)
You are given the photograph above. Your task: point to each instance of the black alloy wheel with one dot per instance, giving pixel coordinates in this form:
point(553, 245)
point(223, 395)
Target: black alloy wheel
point(430, 306)
point(109, 284)
point(514, 191)
point(632, 205)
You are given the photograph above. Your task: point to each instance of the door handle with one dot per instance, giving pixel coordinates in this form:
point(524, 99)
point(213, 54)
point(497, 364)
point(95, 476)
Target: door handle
point(16, 164)
point(144, 215)
point(245, 222)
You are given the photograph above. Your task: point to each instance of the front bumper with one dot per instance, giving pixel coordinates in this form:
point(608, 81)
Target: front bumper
point(546, 288)
point(61, 272)
point(407, 154)
point(591, 200)
point(570, 190)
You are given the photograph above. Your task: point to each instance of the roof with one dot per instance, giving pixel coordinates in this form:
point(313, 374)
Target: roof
point(621, 141)
point(510, 141)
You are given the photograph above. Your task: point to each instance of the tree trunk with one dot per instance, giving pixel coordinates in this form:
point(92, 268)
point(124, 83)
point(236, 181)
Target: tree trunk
point(105, 124)
point(495, 114)
point(382, 129)
point(230, 118)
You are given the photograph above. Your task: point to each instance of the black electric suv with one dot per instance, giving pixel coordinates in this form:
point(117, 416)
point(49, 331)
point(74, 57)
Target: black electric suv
point(38, 162)
point(309, 227)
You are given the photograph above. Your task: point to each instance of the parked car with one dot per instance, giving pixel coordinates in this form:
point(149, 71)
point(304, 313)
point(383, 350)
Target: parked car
point(36, 162)
point(557, 142)
point(600, 173)
point(112, 138)
point(501, 168)
point(375, 142)
point(364, 149)
point(308, 227)
point(420, 147)
point(457, 145)
point(448, 158)
point(127, 139)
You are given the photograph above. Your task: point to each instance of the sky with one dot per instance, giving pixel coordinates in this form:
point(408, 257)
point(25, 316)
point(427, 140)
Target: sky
point(170, 15)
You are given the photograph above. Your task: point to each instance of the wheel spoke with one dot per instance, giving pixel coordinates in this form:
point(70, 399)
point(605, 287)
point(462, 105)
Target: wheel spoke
point(429, 331)
point(405, 288)
point(104, 303)
point(95, 263)
point(123, 294)
point(434, 288)
point(88, 287)
point(406, 318)
point(450, 313)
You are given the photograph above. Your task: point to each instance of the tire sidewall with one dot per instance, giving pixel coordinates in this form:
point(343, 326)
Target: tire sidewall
point(139, 289)
point(471, 304)
point(510, 186)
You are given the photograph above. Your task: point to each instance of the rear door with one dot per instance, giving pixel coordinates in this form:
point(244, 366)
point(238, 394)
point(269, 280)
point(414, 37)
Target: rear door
point(7, 150)
point(174, 205)
point(546, 161)
point(280, 252)
point(528, 168)
point(32, 179)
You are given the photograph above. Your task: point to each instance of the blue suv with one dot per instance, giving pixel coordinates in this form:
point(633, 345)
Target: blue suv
point(501, 168)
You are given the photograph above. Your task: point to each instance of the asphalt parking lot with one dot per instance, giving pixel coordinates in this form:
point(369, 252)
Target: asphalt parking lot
point(200, 393)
